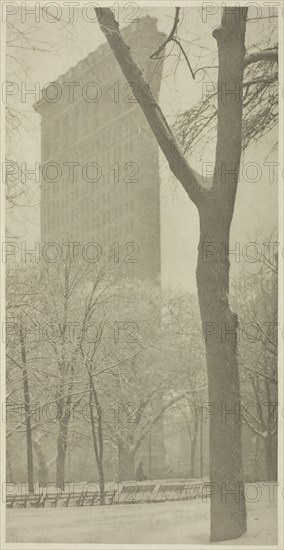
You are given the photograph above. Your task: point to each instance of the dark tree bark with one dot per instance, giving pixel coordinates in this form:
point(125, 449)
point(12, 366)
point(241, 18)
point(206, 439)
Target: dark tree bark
point(216, 207)
point(228, 517)
point(228, 510)
point(28, 420)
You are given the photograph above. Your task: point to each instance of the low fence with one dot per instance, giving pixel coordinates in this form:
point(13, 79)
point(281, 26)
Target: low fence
point(129, 492)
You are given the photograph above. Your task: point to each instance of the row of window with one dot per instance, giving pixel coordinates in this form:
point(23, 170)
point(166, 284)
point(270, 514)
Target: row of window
point(91, 174)
point(79, 126)
point(96, 196)
point(114, 232)
point(83, 208)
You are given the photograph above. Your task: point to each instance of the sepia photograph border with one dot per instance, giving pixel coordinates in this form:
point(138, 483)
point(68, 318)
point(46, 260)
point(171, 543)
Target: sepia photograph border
point(83, 546)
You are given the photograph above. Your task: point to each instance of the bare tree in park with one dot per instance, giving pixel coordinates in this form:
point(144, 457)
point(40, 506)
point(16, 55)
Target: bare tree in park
point(18, 314)
point(215, 203)
point(256, 300)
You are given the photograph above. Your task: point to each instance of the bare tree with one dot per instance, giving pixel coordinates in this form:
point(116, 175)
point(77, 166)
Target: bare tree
point(215, 203)
point(18, 315)
point(183, 324)
point(257, 308)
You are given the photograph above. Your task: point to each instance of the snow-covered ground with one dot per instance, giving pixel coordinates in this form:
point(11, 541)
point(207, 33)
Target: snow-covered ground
point(184, 522)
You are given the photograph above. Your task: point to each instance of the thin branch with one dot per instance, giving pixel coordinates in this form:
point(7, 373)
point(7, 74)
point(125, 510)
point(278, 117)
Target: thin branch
point(156, 53)
point(263, 55)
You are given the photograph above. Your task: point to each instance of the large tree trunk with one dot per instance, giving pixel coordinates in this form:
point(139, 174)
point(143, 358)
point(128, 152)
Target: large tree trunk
point(126, 463)
point(228, 509)
point(228, 512)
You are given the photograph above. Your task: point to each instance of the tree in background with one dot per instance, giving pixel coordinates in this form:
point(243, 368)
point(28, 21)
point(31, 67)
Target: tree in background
point(182, 319)
point(256, 302)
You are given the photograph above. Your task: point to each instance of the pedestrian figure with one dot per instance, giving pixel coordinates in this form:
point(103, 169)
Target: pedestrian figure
point(140, 476)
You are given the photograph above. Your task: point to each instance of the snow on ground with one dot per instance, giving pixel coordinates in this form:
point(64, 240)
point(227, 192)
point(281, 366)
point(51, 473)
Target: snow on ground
point(183, 522)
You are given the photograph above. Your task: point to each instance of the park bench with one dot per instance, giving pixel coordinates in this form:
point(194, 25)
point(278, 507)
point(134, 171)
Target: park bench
point(24, 500)
point(11, 500)
point(52, 498)
point(62, 498)
point(130, 493)
point(36, 500)
point(89, 498)
point(190, 491)
point(169, 492)
point(84, 497)
point(134, 493)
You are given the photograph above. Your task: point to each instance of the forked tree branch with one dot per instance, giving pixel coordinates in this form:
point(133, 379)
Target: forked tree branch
point(147, 101)
point(171, 36)
point(150, 423)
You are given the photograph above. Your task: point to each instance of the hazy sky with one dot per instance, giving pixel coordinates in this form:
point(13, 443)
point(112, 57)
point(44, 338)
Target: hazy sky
point(65, 44)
